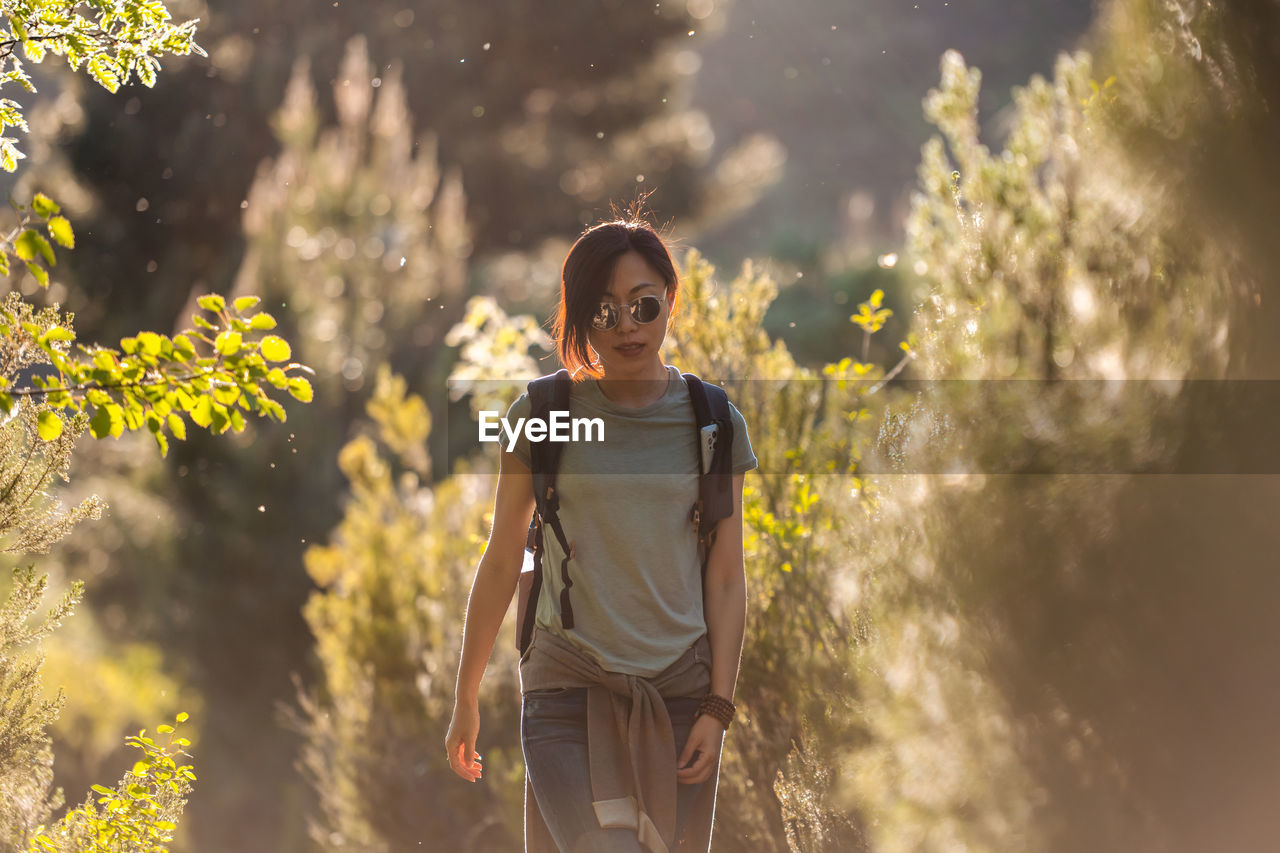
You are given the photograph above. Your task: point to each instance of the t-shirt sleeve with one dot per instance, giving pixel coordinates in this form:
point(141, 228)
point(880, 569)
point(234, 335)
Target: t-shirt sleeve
point(744, 458)
point(520, 409)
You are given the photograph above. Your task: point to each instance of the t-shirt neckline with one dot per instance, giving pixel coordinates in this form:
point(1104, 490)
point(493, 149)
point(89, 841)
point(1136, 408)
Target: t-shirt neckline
point(600, 399)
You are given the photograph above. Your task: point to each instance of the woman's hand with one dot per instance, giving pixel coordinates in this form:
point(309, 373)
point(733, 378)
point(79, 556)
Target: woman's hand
point(460, 742)
point(705, 738)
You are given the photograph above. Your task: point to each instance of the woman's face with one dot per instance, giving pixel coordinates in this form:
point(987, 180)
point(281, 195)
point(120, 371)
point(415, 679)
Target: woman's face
point(630, 349)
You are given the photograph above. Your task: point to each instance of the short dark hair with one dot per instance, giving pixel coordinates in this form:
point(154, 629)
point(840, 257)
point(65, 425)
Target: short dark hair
point(586, 274)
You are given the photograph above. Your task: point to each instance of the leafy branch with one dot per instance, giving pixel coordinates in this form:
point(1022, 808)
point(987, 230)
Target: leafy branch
point(139, 813)
point(28, 243)
point(122, 39)
point(213, 373)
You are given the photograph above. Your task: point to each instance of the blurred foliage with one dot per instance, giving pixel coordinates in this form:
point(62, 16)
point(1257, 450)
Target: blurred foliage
point(811, 314)
point(31, 519)
point(360, 238)
point(1031, 646)
point(26, 758)
point(494, 366)
point(1196, 85)
point(139, 814)
point(1053, 245)
point(808, 430)
point(356, 229)
point(50, 394)
point(836, 87)
point(391, 582)
point(547, 112)
point(116, 685)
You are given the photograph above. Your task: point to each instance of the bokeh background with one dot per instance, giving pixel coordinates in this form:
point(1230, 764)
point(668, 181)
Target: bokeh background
point(1079, 657)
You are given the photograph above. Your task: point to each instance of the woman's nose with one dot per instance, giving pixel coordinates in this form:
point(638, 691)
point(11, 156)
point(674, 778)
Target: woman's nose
point(625, 321)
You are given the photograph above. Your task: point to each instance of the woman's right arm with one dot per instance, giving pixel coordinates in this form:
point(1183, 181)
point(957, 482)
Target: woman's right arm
point(491, 592)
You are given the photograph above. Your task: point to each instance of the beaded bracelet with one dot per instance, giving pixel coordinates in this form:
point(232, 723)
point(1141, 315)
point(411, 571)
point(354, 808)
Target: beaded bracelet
point(718, 707)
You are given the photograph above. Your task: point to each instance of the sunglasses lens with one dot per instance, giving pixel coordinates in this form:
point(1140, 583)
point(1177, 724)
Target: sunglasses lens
point(606, 316)
point(647, 309)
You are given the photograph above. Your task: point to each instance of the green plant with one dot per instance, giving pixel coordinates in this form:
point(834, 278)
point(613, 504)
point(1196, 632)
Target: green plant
point(121, 39)
point(53, 388)
point(140, 814)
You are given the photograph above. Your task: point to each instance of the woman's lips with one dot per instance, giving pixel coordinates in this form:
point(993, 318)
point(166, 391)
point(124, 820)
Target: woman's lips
point(630, 349)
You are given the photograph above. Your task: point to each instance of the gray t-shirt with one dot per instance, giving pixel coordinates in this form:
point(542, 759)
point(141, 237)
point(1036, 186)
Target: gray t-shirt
point(624, 506)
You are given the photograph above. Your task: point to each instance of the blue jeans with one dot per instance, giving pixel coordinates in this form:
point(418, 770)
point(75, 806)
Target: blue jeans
point(553, 733)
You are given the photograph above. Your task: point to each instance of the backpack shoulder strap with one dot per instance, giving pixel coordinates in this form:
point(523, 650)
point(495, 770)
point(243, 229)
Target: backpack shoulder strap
point(714, 424)
point(546, 394)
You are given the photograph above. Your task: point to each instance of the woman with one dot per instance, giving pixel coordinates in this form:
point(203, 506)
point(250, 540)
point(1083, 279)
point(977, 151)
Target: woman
point(646, 667)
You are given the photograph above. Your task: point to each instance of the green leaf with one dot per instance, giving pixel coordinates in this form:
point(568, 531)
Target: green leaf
point(58, 333)
point(244, 303)
point(49, 425)
point(140, 768)
point(226, 394)
point(275, 348)
point(182, 717)
point(101, 789)
point(277, 378)
point(262, 321)
point(300, 389)
point(211, 302)
point(100, 423)
point(9, 154)
point(44, 206)
point(218, 414)
point(202, 412)
point(104, 359)
point(40, 273)
point(273, 410)
point(100, 68)
point(178, 427)
point(150, 342)
point(116, 413)
point(60, 230)
point(26, 246)
point(147, 67)
point(164, 729)
point(228, 343)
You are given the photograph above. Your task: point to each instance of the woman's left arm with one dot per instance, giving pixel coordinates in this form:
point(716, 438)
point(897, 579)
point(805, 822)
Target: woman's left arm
point(725, 604)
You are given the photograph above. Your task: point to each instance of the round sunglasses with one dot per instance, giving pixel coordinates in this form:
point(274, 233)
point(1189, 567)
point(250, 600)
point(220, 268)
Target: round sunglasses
point(643, 309)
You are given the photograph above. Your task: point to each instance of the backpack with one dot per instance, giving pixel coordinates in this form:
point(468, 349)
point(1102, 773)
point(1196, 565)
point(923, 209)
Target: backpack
point(714, 426)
